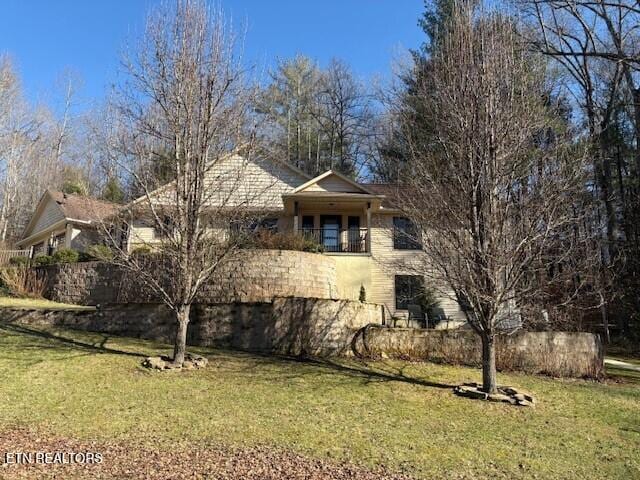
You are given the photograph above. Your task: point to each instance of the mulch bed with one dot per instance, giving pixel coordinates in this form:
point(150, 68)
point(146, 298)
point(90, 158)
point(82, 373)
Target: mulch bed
point(128, 461)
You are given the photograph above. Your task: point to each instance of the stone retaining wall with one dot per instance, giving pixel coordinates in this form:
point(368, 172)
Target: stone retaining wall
point(324, 327)
point(290, 326)
point(254, 276)
point(562, 354)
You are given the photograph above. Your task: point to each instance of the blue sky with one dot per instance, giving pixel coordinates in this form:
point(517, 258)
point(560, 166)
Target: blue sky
point(47, 37)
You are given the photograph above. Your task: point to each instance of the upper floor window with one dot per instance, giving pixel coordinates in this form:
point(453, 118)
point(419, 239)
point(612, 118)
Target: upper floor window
point(405, 234)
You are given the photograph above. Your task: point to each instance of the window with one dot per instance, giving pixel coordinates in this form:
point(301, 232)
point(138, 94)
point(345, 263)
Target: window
point(405, 234)
point(249, 227)
point(270, 224)
point(307, 222)
point(409, 290)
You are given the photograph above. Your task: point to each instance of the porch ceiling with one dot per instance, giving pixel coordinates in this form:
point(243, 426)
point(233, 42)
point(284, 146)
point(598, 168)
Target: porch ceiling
point(331, 200)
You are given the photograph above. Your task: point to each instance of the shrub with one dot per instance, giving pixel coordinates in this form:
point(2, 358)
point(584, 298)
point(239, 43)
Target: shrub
point(141, 250)
point(65, 255)
point(281, 241)
point(19, 261)
point(22, 281)
point(363, 294)
point(99, 252)
point(42, 260)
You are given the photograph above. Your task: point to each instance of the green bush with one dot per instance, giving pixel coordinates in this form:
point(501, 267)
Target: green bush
point(141, 250)
point(99, 252)
point(363, 294)
point(42, 260)
point(65, 255)
point(280, 241)
point(19, 261)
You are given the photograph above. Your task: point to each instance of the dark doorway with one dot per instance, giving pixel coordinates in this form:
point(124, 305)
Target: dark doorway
point(331, 226)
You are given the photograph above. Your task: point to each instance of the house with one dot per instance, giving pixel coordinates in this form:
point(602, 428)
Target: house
point(63, 220)
point(355, 223)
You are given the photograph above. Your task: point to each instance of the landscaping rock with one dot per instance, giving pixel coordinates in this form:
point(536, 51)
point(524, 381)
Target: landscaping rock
point(154, 362)
point(198, 361)
point(191, 362)
point(470, 392)
point(500, 397)
point(504, 394)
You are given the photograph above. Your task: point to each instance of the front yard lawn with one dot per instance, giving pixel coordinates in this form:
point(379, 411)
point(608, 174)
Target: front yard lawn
point(90, 387)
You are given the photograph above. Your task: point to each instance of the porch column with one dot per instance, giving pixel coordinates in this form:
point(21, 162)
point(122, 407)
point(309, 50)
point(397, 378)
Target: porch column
point(368, 242)
point(344, 233)
point(67, 235)
point(295, 217)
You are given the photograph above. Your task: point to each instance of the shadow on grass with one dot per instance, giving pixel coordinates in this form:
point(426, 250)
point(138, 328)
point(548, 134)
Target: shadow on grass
point(397, 374)
point(50, 340)
point(250, 362)
point(304, 367)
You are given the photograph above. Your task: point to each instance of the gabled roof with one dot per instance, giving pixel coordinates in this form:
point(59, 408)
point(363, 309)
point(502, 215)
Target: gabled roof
point(72, 207)
point(230, 155)
point(333, 182)
point(78, 207)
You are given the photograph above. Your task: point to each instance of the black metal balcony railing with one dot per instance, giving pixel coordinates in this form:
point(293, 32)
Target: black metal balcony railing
point(351, 240)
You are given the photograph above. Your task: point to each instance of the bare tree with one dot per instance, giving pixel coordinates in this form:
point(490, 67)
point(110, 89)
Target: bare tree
point(492, 191)
point(185, 106)
point(344, 111)
point(597, 44)
point(31, 143)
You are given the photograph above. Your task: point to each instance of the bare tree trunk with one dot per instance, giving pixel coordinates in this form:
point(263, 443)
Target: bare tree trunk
point(604, 314)
point(488, 364)
point(180, 346)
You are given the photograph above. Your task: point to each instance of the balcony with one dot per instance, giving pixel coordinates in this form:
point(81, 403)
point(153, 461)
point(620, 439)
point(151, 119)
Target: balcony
point(335, 240)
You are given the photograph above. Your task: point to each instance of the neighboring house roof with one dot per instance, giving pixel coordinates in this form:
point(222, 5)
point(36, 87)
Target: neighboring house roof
point(78, 207)
point(66, 207)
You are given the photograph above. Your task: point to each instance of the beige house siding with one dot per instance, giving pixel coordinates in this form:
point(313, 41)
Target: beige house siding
point(332, 184)
point(141, 234)
point(257, 184)
point(353, 272)
point(388, 262)
point(51, 214)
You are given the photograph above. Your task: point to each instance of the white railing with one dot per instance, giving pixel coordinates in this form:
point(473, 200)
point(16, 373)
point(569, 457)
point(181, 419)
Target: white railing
point(6, 255)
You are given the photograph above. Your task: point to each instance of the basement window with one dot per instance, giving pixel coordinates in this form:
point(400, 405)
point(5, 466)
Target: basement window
point(409, 290)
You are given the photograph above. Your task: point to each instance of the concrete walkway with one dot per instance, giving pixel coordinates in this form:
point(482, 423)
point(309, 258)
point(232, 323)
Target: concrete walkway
point(620, 364)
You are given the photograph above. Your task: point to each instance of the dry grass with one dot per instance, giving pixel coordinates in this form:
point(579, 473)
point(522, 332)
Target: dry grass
point(38, 303)
point(23, 281)
point(401, 415)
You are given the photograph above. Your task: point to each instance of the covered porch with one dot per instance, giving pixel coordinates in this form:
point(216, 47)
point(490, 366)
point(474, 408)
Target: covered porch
point(339, 222)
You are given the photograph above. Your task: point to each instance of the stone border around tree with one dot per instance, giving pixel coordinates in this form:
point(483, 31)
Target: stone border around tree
point(505, 394)
point(191, 362)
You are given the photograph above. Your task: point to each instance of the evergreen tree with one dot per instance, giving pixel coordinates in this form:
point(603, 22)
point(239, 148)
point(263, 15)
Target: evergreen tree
point(317, 119)
point(408, 109)
point(112, 191)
